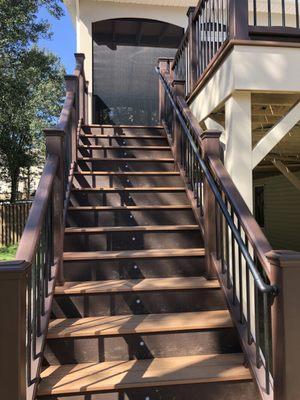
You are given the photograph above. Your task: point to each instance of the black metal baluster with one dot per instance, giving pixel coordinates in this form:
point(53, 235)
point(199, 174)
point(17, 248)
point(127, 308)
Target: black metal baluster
point(248, 317)
point(297, 13)
point(254, 13)
point(233, 261)
point(29, 327)
point(240, 279)
point(267, 339)
point(257, 330)
point(283, 12)
point(269, 13)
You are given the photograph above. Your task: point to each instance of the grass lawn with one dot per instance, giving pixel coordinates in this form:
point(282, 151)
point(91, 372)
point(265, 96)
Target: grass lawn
point(8, 253)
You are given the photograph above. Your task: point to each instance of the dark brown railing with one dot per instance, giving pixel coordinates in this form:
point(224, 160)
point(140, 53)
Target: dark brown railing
point(27, 284)
point(254, 278)
point(215, 23)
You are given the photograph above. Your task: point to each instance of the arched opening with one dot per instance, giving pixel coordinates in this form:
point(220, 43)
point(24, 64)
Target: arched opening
point(125, 52)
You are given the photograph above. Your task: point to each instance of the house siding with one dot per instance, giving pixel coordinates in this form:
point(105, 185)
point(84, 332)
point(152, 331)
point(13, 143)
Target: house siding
point(282, 212)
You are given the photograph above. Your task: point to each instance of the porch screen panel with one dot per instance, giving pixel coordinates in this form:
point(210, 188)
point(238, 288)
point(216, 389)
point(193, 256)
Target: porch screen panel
point(126, 85)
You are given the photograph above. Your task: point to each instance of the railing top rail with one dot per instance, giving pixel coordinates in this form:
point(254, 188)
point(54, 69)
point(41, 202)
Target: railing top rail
point(248, 222)
point(29, 240)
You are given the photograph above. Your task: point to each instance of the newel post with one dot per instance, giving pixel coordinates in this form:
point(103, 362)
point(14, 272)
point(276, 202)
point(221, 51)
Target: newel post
point(80, 57)
point(179, 89)
point(285, 274)
point(13, 331)
point(55, 145)
point(211, 149)
point(192, 62)
point(72, 85)
point(238, 19)
point(164, 67)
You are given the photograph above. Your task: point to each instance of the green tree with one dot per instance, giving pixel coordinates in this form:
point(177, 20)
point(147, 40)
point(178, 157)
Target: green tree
point(32, 88)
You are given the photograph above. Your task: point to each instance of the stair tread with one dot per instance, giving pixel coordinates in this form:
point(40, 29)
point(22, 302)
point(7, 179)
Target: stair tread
point(97, 377)
point(131, 189)
point(142, 173)
point(87, 135)
point(146, 228)
point(130, 208)
point(131, 324)
point(137, 285)
point(127, 254)
point(128, 159)
point(100, 147)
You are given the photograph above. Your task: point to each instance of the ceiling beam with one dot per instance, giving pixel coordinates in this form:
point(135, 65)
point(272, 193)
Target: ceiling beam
point(292, 178)
point(275, 135)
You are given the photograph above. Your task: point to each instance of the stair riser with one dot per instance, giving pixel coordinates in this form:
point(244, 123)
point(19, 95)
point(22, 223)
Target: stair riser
point(125, 218)
point(122, 141)
point(116, 165)
point(132, 241)
point(140, 346)
point(133, 268)
point(126, 198)
point(126, 181)
point(69, 306)
point(145, 131)
point(122, 153)
point(206, 391)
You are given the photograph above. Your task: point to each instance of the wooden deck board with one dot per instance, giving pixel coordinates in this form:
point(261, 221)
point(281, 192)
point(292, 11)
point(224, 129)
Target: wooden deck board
point(136, 285)
point(130, 254)
point(91, 377)
point(148, 228)
point(131, 324)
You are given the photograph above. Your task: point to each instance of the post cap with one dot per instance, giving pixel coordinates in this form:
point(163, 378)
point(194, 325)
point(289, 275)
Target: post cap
point(190, 11)
point(211, 134)
point(284, 258)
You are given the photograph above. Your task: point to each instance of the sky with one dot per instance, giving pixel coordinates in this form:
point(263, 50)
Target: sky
point(63, 41)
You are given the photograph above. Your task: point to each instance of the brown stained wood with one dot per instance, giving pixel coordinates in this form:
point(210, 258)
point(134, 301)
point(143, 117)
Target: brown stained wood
point(99, 147)
point(130, 208)
point(136, 285)
point(130, 254)
point(132, 324)
point(252, 230)
point(110, 159)
point(130, 189)
point(91, 377)
point(29, 240)
point(129, 173)
point(133, 127)
point(125, 137)
point(155, 228)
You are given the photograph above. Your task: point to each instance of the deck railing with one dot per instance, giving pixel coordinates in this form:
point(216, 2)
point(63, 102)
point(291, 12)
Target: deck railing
point(258, 282)
point(213, 24)
point(27, 284)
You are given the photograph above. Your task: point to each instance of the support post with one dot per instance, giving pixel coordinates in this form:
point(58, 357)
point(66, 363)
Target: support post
point(211, 149)
point(238, 19)
point(192, 63)
point(238, 143)
point(179, 89)
point(13, 332)
point(164, 67)
point(55, 145)
point(81, 90)
point(285, 274)
point(72, 85)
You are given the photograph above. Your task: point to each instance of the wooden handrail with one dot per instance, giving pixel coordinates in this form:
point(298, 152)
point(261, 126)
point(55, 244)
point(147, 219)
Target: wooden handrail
point(251, 228)
point(32, 231)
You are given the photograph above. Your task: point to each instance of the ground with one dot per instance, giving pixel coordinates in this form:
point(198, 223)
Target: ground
point(8, 253)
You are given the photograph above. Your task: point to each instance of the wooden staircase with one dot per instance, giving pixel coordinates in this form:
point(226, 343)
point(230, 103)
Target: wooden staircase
point(136, 318)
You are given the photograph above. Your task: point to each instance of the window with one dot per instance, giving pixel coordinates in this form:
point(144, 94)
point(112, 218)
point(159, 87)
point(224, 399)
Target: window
point(259, 205)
